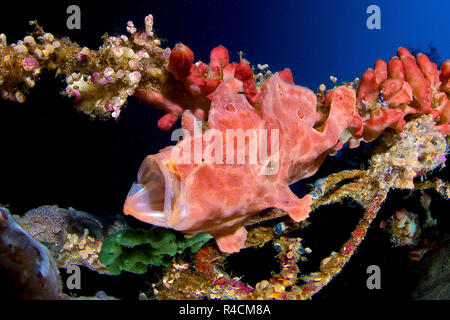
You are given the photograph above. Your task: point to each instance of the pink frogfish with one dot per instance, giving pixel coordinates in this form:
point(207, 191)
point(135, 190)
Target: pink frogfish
point(194, 187)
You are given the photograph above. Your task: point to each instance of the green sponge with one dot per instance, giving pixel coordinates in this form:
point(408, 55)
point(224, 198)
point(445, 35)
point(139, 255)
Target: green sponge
point(134, 250)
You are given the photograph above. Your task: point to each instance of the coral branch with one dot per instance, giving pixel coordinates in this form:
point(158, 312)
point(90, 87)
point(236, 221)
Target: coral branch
point(332, 266)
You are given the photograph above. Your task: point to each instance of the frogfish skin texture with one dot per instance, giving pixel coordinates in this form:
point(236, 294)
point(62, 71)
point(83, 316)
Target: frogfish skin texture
point(210, 196)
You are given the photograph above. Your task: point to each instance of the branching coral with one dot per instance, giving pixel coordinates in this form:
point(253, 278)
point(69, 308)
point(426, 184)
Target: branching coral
point(99, 81)
point(391, 91)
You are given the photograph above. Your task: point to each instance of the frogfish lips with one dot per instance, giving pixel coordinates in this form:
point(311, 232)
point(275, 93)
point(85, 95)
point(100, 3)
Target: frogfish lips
point(150, 197)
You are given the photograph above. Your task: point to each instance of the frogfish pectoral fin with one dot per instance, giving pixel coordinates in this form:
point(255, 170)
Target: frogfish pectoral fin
point(297, 209)
point(232, 242)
